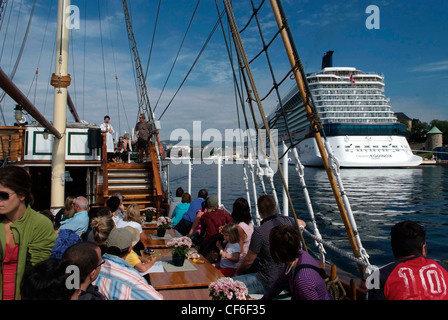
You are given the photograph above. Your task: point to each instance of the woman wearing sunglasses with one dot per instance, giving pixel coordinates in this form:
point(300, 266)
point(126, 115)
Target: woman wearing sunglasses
point(26, 237)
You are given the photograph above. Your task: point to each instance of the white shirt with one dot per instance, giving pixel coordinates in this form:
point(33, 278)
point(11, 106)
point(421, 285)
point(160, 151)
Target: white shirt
point(109, 136)
point(230, 248)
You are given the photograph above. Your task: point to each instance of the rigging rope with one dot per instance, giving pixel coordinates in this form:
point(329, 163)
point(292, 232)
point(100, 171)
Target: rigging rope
point(192, 67)
point(102, 53)
point(152, 41)
point(177, 55)
point(250, 141)
point(19, 57)
point(7, 28)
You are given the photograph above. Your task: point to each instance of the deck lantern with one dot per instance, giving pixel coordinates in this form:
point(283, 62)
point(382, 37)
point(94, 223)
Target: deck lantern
point(18, 113)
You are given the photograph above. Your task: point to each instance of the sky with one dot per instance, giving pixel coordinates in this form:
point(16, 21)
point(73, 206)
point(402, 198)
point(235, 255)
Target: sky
point(409, 47)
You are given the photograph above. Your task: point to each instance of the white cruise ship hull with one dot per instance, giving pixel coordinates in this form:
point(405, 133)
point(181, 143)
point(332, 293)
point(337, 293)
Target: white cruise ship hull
point(362, 152)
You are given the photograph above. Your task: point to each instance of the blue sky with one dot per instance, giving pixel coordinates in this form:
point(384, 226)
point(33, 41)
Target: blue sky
point(410, 49)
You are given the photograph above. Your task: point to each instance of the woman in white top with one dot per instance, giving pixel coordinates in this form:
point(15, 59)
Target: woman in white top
point(132, 218)
point(243, 218)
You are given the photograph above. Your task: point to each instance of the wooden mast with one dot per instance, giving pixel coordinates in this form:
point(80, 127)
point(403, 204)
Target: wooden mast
point(301, 83)
point(60, 80)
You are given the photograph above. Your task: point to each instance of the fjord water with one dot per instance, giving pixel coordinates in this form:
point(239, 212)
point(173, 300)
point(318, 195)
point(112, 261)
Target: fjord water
point(378, 198)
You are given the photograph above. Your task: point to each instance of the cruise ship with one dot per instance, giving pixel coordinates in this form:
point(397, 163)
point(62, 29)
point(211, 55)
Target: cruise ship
point(357, 120)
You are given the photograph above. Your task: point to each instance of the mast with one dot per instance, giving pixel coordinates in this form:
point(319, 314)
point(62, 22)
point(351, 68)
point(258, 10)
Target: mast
point(60, 81)
point(313, 118)
point(143, 98)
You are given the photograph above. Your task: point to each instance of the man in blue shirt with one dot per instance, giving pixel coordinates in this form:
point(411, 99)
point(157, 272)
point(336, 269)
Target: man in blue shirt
point(186, 222)
point(80, 221)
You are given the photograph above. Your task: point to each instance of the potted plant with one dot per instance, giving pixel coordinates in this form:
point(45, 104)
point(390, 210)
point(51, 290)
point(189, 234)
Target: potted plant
point(179, 249)
point(163, 223)
point(227, 289)
point(149, 213)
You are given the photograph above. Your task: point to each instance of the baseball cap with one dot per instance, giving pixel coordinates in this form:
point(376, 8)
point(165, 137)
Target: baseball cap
point(120, 238)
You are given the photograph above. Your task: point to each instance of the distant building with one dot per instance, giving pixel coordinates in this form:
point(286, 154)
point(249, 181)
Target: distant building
point(402, 118)
point(434, 139)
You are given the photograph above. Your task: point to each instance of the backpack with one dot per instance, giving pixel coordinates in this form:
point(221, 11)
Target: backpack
point(334, 286)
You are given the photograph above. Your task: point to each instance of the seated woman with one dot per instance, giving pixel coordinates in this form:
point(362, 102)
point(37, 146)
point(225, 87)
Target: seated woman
point(132, 219)
point(181, 208)
point(304, 283)
point(126, 147)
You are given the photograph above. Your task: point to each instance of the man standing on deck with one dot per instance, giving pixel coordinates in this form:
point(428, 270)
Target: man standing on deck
point(412, 276)
point(107, 127)
point(143, 132)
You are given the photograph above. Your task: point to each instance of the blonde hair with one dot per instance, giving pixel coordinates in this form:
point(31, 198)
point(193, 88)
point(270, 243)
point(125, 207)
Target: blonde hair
point(69, 207)
point(232, 230)
point(132, 213)
point(101, 228)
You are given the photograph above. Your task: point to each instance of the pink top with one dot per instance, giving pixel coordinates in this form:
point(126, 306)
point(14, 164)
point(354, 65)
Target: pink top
point(248, 229)
point(9, 272)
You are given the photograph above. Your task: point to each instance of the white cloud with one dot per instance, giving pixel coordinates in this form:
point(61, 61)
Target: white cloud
point(436, 66)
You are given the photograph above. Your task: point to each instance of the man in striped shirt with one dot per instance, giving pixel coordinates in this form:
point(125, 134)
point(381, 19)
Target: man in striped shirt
point(117, 279)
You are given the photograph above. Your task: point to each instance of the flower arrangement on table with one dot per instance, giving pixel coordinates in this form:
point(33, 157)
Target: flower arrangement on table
point(150, 211)
point(163, 222)
point(228, 289)
point(180, 246)
point(179, 249)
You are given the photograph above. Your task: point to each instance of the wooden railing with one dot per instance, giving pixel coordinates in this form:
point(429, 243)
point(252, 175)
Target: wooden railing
point(104, 166)
point(157, 180)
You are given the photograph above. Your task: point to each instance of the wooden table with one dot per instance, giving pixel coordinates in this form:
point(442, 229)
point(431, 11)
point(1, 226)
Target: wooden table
point(159, 243)
point(186, 294)
point(149, 225)
point(204, 274)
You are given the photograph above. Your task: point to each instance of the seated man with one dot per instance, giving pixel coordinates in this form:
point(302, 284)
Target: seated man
point(412, 276)
point(268, 271)
point(87, 257)
point(80, 221)
point(117, 280)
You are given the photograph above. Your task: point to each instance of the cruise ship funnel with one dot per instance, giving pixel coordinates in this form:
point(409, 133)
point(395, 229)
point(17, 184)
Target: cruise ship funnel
point(327, 60)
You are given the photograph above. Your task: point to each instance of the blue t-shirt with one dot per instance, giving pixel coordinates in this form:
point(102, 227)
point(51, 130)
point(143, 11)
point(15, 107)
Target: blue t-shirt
point(195, 206)
point(78, 223)
point(179, 212)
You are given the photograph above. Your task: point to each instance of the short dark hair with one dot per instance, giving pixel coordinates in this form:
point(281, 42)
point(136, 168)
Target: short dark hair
point(84, 256)
point(18, 180)
point(47, 281)
point(106, 117)
point(407, 238)
point(241, 211)
point(203, 193)
point(266, 205)
point(186, 198)
point(113, 203)
point(284, 243)
point(179, 192)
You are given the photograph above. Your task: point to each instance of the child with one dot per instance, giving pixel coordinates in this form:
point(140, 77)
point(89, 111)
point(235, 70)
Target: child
point(231, 253)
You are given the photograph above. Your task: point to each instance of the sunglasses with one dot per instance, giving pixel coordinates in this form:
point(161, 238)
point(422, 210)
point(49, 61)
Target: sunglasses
point(102, 262)
point(5, 195)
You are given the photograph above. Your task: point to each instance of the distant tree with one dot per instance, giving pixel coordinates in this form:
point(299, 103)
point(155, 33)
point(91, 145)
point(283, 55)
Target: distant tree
point(442, 126)
point(418, 131)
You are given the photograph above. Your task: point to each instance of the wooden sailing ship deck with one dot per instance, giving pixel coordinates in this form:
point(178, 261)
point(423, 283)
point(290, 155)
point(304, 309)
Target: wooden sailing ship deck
point(87, 171)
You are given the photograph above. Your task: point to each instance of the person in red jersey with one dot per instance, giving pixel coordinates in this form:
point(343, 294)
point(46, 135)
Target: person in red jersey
point(412, 276)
